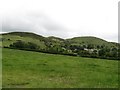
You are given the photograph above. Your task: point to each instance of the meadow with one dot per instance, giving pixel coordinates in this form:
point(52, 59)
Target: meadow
point(27, 69)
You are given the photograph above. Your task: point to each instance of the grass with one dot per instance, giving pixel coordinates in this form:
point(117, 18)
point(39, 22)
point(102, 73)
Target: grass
point(27, 69)
point(90, 40)
point(14, 38)
point(31, 37)
point(0, 68)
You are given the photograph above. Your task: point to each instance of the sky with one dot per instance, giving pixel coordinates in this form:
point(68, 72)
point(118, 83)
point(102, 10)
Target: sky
point(61, 18)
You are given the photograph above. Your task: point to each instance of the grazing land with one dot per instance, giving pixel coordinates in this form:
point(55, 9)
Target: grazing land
point(27, 69)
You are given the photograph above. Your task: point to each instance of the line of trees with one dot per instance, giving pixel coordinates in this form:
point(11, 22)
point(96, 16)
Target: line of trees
point(72, 50)
point(23, 45)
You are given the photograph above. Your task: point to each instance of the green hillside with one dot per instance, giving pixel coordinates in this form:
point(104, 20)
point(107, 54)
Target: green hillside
point(9, 38)
point(78, 46)
point(27, 69)
point(90, 40)
point(56, 39)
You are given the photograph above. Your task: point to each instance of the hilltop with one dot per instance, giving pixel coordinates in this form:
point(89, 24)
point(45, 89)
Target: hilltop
point(90, 40)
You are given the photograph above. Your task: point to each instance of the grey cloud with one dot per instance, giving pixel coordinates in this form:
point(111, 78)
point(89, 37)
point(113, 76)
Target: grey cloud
point(37, 23)
point(114, 37)
point(43, 25)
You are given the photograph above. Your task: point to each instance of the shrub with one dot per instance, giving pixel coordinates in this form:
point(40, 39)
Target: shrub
point(23, 45)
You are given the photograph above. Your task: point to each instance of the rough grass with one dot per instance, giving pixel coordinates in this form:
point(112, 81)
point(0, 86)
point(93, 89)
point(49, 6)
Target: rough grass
point(31, 37)
point(27, 69)
point(14, 38)
point(0, 68)
point(90, 40)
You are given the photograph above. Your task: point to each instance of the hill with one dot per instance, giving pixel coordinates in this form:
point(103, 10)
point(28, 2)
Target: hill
point(90, 40)
point(78, 46)
point(27, 36)
point(9, 38)
point(27, 69)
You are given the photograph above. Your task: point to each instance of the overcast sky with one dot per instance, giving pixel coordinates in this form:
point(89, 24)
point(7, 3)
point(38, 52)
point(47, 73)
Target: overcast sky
point(61, 18)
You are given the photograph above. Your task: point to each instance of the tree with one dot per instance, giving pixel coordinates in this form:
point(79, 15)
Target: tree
point(32, 46)
point(19, 44)
point(98, 46)
point(101, 52)
point(23, 45)
point(84, 53)
point(90, 46)
point(114, 52)
point(84, 46)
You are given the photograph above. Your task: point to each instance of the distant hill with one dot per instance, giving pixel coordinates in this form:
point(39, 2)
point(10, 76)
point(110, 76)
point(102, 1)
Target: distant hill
point(90, 40)
point(79, 46)
point(11, 37)
point(57, 39)
point(25, 34)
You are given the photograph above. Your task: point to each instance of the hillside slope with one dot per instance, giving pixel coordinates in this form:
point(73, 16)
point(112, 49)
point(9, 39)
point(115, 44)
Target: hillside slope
point(11, 37)
point(90, 40)
point(79, 46)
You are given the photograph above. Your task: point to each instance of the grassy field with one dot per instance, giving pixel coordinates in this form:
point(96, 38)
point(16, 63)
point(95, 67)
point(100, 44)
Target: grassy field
point(27, 69)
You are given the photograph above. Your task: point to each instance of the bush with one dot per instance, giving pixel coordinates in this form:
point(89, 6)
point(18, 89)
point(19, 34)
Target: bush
point(23, 45)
